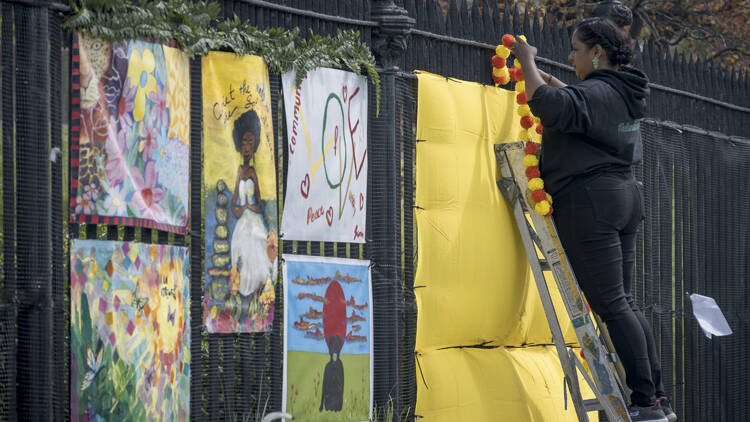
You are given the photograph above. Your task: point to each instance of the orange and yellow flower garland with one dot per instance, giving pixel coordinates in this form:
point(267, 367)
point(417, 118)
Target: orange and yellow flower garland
point(501, 75)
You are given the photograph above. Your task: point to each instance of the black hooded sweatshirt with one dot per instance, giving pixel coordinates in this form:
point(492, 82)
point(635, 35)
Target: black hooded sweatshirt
point(590, 127)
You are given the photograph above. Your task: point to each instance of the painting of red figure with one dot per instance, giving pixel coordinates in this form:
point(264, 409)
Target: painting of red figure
point(334, 329)
point(334, 313)
point(328, 344)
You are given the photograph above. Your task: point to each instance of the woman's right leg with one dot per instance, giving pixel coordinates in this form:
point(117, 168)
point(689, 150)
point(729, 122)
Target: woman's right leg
point(628, 238)
point(594, 248)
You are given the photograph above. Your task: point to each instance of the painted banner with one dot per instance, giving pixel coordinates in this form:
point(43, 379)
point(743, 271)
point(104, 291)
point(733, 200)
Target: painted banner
point(130, 118)
point(326, 190)
point(327, 339)
point(129, 331)
point(240, 195)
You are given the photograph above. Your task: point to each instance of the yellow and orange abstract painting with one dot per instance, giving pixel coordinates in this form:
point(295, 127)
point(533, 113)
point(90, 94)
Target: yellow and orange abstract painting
point(130, 331)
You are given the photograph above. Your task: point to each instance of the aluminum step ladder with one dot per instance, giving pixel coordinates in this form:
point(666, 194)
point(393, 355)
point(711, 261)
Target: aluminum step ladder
point(541, 233)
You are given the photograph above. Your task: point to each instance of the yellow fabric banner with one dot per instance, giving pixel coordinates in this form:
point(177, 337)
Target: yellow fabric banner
point(473, 284)
point(470, 269)
point(519, 384)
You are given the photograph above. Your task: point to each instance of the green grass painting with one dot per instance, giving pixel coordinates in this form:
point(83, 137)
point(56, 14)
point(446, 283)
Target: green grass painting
point(305, 383)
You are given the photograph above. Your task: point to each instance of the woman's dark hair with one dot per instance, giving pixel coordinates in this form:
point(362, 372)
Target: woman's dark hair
point(247, 122)
point(593, 31)
point(615, 11)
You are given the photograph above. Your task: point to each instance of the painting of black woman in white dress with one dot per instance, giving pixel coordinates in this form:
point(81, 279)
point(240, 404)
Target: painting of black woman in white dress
point(241, 213)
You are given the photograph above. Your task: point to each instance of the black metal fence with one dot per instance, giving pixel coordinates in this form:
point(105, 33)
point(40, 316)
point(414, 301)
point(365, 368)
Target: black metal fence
point(694, 239)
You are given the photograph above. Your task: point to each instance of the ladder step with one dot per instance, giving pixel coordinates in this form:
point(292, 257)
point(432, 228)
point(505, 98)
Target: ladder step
point(545, 265)
point(592, 404)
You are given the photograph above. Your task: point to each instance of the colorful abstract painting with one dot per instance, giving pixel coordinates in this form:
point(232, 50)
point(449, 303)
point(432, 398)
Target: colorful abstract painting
point(241, 212)
point(129, 332)
point(327, 339)
point(326, 189)
point(130, 120)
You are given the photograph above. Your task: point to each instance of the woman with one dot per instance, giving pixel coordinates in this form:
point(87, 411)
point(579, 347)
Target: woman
point(251, 253)
point(591, 139)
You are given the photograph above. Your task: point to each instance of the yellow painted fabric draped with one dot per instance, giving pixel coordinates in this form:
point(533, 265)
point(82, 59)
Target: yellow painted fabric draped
point(502, 384)
point(473, 283)
point(470, 271)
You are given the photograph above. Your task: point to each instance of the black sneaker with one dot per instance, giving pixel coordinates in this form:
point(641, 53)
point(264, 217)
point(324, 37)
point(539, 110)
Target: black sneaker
point(651, 413)
point(666, 407)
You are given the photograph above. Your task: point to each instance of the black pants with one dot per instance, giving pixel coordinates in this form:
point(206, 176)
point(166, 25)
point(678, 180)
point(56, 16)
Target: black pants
point(597, 219)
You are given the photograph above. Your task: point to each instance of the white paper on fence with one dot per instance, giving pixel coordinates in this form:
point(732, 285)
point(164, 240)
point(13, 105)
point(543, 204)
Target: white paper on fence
point(326, 189)
point(709, 316)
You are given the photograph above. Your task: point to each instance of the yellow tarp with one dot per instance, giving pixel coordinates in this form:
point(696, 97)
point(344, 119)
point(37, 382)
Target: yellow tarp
point(473, 283)
point(470, 269)
point(521, 384)
point(537, 327)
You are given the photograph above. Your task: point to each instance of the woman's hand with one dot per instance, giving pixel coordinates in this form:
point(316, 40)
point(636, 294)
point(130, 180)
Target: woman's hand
point(524, 52)
point(545, 76)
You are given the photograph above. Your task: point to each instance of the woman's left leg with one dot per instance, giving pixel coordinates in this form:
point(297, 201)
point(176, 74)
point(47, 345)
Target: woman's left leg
point(589, 223)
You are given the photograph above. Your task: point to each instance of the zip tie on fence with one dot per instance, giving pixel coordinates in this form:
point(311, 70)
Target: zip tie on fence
point(424, 381)
point(421, 140)
point(483, 345)
point(418, 207)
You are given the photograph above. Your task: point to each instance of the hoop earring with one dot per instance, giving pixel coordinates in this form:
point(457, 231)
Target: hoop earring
point(595, 62)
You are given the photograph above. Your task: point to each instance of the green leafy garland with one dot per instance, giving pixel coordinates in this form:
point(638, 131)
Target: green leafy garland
point(195, 27)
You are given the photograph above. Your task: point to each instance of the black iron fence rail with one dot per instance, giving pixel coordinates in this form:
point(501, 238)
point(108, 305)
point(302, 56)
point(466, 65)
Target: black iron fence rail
point(552, 63)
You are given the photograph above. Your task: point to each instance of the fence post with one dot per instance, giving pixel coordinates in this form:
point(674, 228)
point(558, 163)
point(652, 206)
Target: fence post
point(384, 202)
point(33, 189)
point(9, 309)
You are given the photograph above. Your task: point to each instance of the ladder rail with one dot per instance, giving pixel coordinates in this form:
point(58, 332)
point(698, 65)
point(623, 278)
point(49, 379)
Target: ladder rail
point(510, 158)
point(568, 367)
point(619, 369)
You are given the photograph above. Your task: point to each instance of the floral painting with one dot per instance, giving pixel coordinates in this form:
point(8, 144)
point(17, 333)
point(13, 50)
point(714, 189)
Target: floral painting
point(130, 134)
point(327, 339)
point(241, 212)
point(129, 332)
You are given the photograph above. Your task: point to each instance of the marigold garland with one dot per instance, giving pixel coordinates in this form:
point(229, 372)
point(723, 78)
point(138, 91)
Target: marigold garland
point(501, 75)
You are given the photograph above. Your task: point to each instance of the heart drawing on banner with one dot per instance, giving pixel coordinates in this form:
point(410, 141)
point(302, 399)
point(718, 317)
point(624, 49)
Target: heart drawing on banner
point(304, 187)
point(329, 216)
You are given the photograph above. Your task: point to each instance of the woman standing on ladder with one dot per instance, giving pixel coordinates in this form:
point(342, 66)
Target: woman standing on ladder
point(590, 141)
